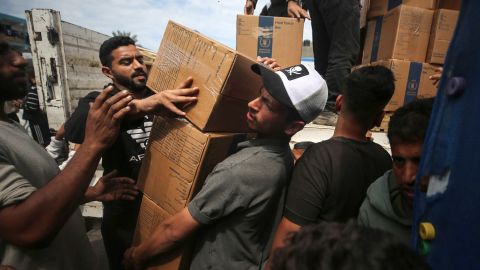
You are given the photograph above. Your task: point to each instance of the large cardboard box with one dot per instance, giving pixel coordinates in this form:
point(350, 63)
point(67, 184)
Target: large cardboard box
point(444, 23)
point(381, 7)
point(411, 81)
point(178, 159)
point(403, 33)
point(275, 37)
point(149, 217)
point(449, 4)
point(224, 77)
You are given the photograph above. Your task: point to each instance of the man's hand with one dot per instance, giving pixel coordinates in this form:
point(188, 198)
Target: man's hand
point(130, 261)
point(110, 188)
point(104, 118)
point(436, 77)
point(166, 99)
point(249, 7)
point(296, 11)
point(269, 62)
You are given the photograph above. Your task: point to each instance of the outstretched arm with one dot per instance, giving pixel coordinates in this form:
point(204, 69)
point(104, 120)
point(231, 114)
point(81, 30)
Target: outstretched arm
point(167, 235)
point(35, 221)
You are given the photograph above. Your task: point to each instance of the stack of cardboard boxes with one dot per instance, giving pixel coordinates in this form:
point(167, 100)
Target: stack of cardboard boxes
point(410, 37)
point(182, 152)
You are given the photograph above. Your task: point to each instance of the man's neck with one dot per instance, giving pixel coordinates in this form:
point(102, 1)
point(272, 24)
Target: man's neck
point(135, 94)
point(282, 137)
point(349, 128)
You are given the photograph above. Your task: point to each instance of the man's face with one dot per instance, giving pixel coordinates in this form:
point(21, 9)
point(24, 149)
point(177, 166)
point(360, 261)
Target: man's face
point(406, 157)
point(266, 115)
point(128, 68)
point(13, 80)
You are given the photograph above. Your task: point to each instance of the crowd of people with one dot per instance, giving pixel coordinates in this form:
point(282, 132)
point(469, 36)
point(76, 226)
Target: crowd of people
point(346, 203)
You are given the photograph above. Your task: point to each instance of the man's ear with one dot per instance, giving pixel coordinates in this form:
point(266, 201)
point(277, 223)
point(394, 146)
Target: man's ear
point(107, 72)
point(339, 103)
point(294, 127)
point(378, 120)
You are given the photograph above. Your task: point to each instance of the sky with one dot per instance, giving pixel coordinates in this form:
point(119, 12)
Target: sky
point(146, 18)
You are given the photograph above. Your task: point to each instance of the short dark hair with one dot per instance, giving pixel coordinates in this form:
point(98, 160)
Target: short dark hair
point(367, 90)
point(409, 123)
point(345, 246)
point(111, 44)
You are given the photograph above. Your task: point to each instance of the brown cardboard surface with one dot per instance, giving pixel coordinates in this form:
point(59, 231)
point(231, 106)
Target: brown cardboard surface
point(283, 39)
point(149, 217)
point(380, 7)
point(449, 4)
point(216, 69)
point(443, 26)
point(178, 159)
point(408, 84)
point(404, 35)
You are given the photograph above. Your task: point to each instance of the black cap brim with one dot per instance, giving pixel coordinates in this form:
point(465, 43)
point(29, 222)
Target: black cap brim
point(273, 84)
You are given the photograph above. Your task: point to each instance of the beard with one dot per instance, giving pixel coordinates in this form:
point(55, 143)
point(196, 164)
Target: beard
point(10, 89)
point(129, 82)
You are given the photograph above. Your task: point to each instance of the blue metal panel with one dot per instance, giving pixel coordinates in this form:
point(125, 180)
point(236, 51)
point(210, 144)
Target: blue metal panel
point(451, 155)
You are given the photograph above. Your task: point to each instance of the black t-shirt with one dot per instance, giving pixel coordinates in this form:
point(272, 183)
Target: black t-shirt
point(330, 180)
point(125, 155)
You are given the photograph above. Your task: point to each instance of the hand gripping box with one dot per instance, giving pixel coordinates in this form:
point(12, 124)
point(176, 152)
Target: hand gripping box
point(177, 161)
point(403, 33)
point(275, 37)
point(223, 75)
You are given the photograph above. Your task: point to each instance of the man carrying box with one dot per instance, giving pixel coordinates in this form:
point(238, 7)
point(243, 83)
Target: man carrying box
point(123, 63)
point(240, 204)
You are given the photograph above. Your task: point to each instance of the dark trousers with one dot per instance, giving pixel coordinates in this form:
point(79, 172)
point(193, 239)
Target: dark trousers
point(336, 41)
point(118, 228)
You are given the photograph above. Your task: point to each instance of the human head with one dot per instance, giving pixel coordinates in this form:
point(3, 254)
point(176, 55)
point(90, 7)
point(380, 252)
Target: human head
point(123, 63)
point(289, 99)
point(13, 80)
point(406, 133)
point(367, 90)
point(329, 246)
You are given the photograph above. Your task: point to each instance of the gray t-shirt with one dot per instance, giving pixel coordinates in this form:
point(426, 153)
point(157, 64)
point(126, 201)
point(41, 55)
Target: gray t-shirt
point(240, 205)
point(25, 167)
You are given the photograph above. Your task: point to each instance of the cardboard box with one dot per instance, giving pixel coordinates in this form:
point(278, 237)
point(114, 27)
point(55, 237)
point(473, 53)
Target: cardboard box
point(178, 159)
point(381, 7)
point(449, 4)
point(384, 125)
point(403, 33)
point(444, 23)
point(275, 37)
point(149, 217)
point(224, 77)
point(411, 81)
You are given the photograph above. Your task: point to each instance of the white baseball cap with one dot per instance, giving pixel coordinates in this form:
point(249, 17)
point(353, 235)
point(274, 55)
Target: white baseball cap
point(299, 87)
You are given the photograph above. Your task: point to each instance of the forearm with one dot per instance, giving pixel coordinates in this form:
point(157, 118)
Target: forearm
point(35, 221)
point(284, 229)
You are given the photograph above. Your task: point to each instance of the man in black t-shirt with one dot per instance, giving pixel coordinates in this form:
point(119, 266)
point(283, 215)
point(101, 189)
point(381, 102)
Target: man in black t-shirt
point(123, 64)
point(330, 180)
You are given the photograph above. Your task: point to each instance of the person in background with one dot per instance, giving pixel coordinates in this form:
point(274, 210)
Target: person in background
point(389, 201)
point(299, 148)
point(276, 8)
point(336, 43)
point(330, 181)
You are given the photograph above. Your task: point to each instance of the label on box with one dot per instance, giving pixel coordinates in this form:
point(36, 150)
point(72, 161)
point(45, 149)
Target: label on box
point(265, 36)
point(376, 38)
point(413, 82)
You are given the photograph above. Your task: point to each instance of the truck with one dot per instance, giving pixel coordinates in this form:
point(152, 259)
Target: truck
point(66, 63)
